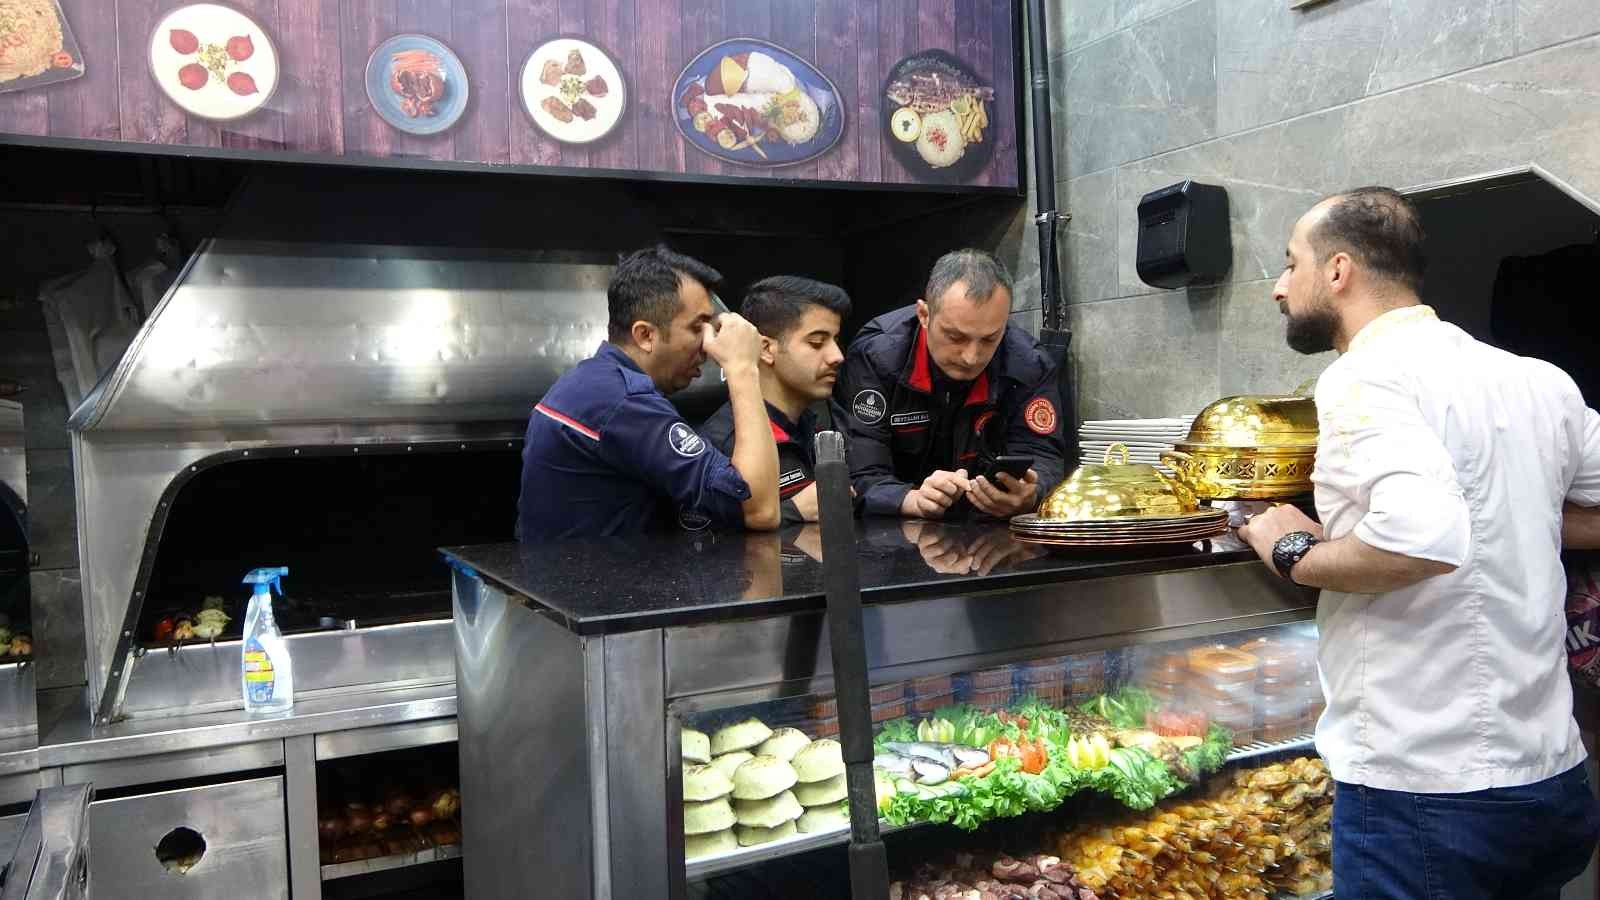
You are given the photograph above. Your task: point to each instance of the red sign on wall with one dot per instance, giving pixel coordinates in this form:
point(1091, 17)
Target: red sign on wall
point(896, 92)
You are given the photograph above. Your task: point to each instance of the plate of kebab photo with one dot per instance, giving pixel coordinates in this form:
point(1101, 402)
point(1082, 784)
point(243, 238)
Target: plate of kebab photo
point(417, 84)
point(752, 102)
point(573, 90)
point(936, 112)
point(214, 61)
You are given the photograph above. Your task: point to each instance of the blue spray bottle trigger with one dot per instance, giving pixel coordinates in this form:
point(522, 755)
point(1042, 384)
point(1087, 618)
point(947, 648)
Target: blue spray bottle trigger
point(266, 579)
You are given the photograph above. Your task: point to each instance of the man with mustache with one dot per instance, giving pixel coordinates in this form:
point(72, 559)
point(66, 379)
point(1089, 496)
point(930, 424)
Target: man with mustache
point(799, 321)
point(938, 389)
point(607, 454)
point(1443, 469)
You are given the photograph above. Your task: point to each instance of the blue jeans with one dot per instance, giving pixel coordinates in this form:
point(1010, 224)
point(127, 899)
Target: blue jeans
point(1516, 843)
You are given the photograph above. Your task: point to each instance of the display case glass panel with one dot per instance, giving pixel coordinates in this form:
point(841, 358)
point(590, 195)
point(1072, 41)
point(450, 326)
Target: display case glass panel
point(1159, 768)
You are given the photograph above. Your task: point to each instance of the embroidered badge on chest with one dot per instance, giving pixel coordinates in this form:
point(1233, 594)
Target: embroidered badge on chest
point(1040, 414)
point(684, 442)
point(869, 407)
point(913, 418)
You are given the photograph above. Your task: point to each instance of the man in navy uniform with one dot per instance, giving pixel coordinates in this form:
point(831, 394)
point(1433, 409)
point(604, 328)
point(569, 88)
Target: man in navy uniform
point(936, 390)
point(799, 321)
point(607, 454)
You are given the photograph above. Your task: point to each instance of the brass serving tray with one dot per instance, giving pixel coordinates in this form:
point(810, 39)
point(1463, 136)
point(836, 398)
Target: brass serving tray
point(1110, 544)
point(1032, 521)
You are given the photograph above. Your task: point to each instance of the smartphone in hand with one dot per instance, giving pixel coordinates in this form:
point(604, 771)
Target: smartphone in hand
point(1015, 466)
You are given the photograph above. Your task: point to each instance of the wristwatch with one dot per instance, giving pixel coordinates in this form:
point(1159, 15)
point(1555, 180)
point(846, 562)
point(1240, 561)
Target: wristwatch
point(1290, 549)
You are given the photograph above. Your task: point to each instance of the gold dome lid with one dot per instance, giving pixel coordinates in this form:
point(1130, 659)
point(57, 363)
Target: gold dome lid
point(1116, 490)
point(1256, 421)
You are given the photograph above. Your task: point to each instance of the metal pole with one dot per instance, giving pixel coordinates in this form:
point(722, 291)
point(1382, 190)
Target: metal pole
point(1053, 333)
point(869, 864)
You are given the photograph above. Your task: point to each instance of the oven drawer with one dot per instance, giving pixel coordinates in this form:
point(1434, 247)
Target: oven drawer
point(242, 824)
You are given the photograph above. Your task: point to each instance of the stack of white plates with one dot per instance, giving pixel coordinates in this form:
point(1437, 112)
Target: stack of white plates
point(1145, 438)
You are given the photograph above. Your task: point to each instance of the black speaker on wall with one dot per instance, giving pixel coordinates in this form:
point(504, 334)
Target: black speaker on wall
point(1184, 237)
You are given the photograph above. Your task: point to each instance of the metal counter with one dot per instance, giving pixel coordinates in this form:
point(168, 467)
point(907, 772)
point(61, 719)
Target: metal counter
point(246, 784)
point(569, 708)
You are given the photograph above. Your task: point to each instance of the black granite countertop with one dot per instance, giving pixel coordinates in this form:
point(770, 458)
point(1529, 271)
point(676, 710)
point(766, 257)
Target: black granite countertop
point(609, 585)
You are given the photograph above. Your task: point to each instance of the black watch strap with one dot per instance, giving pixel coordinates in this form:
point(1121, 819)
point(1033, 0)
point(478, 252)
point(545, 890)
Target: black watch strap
point(1290, 549)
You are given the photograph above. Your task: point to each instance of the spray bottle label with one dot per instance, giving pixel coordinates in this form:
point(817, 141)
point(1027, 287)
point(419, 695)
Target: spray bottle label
point(259, 677)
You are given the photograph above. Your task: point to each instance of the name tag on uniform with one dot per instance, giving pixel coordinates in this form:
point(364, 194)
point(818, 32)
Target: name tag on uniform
point(913, 418)
point(790, 477)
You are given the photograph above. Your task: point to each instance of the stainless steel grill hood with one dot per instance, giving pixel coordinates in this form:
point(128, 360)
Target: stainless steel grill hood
point(271, 334)
point(269, 347)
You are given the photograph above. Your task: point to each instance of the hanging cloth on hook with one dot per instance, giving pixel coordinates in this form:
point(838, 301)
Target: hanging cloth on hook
point(91, 319)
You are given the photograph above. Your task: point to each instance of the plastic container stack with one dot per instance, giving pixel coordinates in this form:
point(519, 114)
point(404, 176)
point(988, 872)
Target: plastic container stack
point(990, 688)
point(1291, 700)
point(1045, 679)
point(930, 693)
point(1222, 684)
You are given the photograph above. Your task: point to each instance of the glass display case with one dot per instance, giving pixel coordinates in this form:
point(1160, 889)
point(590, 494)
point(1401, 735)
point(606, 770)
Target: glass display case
point(1177, 768)
point(1052, 707)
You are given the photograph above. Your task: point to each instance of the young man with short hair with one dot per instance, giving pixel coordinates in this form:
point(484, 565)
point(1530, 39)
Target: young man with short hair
point(799, 321)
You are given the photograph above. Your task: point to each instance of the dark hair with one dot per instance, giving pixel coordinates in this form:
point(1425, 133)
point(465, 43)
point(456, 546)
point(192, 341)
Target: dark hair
point(1380, 228)
point(645, 287)
point(774, 305)
point(977, 269)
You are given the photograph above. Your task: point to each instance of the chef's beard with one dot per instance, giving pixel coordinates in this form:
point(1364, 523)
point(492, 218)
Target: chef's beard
point(1312, 331)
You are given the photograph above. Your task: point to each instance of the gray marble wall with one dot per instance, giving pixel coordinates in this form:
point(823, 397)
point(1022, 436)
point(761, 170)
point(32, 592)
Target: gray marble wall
point(1282, 107)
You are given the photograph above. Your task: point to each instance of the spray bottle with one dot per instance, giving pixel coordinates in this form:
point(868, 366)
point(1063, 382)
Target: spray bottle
point(266, 673)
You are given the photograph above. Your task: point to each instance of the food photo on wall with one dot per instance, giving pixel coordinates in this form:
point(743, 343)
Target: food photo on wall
point(36, 45)
point(936, 110)
point(417, 84)
point(214, 62)
point(754, 103)
point(573, 90)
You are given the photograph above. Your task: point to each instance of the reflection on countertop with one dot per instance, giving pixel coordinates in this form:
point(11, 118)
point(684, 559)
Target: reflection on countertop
point(604, 585)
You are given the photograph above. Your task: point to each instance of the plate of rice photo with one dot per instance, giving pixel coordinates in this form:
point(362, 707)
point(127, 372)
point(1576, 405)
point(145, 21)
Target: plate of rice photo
point(213, 61)
point(36, 45)
point(936, 115)
point(751, 102)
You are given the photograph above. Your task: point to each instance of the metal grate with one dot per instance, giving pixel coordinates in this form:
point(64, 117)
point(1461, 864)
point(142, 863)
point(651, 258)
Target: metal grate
point(1267, 748)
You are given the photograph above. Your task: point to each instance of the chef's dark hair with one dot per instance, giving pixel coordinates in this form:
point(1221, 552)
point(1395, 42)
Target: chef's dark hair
point(645, 288)
point(1380, 228)
point(977, 269)
point(775, 305)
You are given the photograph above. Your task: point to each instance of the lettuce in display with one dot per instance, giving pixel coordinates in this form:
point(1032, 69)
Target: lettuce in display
point(1034, 767)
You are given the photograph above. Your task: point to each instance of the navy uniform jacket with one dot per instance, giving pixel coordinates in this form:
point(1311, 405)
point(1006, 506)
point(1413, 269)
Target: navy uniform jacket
point(607, 454)
point(797, 453)
point(888, 390)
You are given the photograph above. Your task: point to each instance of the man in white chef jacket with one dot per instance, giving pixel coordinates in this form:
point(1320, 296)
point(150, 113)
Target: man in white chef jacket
point(1443, 468)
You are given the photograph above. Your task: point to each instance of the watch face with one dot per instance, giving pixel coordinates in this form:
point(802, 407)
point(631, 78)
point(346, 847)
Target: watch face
point(1290, 549)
